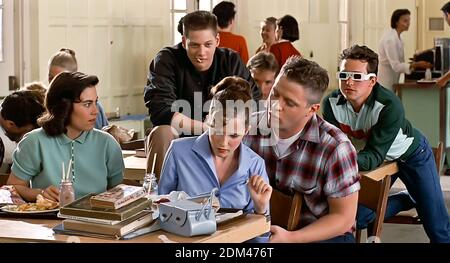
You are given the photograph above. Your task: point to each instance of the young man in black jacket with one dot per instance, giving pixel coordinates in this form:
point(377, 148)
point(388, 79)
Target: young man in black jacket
point(180, 80)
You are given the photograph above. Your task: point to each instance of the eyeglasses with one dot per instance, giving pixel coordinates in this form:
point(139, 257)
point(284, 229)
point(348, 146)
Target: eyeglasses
point(356, 76)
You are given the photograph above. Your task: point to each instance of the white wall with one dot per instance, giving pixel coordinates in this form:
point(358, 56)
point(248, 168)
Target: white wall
point(113, 39)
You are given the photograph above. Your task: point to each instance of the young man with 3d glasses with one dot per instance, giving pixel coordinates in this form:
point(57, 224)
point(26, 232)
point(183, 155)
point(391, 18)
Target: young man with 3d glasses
point(374, 119)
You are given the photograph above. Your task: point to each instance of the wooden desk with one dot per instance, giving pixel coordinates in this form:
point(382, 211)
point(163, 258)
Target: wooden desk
point(386, 169)
point(134, 168)
point(233, 231)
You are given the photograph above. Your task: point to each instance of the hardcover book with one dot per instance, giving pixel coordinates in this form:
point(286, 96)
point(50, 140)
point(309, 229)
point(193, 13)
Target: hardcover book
point(117, 197)
point(139, 220)
point(82, 208)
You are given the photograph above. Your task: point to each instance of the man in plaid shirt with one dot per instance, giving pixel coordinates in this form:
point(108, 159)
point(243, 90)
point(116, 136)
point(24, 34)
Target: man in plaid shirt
point(304, 153)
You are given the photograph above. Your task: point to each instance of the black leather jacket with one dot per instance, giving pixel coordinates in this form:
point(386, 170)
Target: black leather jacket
point(173, 77)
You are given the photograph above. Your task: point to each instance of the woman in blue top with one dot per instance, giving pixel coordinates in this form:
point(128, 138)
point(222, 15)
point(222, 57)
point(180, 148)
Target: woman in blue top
point(217, 158)
point(67, 134)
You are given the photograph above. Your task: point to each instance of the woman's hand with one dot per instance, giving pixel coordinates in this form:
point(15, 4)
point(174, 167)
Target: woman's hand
point(260, 192)
point(51, 193)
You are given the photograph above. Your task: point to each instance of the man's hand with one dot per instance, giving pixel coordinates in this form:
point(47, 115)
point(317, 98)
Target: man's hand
point(51, 193)
point(260, 192)
point(279, 235)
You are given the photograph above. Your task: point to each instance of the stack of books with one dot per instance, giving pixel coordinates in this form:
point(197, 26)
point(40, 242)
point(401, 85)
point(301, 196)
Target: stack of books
point(114, 213)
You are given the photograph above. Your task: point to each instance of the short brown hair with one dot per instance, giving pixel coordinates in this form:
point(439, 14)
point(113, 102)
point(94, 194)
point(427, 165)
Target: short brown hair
point(64, 58)
point(362, 53)
point(64, 90)
point(199, 20)
point(263, 61)
point(289, 25)
point(309, 74)
point(37, 88)
point(231, 89)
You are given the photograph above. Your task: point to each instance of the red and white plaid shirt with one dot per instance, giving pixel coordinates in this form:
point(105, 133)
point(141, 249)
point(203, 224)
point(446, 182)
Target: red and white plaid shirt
point(321, 163)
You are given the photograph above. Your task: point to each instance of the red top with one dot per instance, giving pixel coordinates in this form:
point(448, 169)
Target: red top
point(283, 50)
point(236, 43)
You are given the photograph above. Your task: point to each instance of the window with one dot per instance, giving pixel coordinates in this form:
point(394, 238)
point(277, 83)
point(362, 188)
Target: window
point(1, 30)
point(181, 7)
point(178, 10)
point(343, 23)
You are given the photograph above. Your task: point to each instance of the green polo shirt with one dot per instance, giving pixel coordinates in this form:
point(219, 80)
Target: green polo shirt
point(97, 160)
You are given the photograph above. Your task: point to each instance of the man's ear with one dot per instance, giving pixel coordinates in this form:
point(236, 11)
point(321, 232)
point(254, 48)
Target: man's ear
point(218, 39)
point(315, 108)
point(9, 124)
point(373, 81)
point(183, 41)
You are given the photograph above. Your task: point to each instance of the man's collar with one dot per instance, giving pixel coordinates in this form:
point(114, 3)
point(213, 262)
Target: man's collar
point(311, 130)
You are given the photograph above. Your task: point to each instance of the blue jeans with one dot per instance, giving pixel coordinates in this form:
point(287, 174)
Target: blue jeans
point(421, 179)
point(345, 238)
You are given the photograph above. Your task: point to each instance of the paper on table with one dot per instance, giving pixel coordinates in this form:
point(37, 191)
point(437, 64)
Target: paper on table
point(20, 229)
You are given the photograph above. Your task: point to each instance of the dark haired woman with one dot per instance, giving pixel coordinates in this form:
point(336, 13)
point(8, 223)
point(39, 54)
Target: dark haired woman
point(67, 136)
point(286, 32)
point(217, 158)
point(391, 51)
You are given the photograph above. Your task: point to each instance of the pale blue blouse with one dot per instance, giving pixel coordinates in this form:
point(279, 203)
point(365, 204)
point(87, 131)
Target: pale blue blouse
point(189, 167)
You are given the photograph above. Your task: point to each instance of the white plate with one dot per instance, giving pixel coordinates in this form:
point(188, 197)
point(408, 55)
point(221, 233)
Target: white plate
point(11, 209)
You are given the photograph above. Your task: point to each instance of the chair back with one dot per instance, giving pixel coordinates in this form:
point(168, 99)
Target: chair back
point(285, 210)
point(373, 195)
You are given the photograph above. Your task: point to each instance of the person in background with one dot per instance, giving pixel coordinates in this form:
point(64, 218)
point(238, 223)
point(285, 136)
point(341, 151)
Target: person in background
point(38, 88)
point(442, 81)
point(286, 32)
point(19, 113)
point(264, 69)
point(187, 71)
point(225, 14)
point(217, 158)
point(374, 119)
point(67, 136)
point(65, 60)
point(268, 27)
point(303, 153)
point(391, 51)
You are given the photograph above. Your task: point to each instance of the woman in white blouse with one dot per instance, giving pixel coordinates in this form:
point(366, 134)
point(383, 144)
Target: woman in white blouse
point(391, 51)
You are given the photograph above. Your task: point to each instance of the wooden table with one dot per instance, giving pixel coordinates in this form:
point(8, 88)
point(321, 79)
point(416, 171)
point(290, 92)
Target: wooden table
point(234, 231)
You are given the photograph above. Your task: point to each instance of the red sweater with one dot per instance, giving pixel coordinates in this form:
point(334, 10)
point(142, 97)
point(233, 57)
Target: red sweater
point(283, 50)
point(236, 43)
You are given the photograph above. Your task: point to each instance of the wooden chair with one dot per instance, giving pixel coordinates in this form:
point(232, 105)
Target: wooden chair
point(411, 217)
point(285, 210)
point(373, 194)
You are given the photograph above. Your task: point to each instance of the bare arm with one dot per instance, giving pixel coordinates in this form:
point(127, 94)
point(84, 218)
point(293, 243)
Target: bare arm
point(341, 217)
point(186, 125)
point(442, 81)
point(29, 194)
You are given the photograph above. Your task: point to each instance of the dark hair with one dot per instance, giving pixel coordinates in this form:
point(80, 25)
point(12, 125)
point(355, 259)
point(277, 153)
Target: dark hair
point(38, 89)
point(309, 74)
point(224, 12)
point(446, 8)
point(263, 61)
point(22, 107)
point(231, 89)
point(199, 20)
point(64, 58)
point(64, 90)
point(180, 26)
point(362, 53)
point(396, 16)
point(289, 26)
